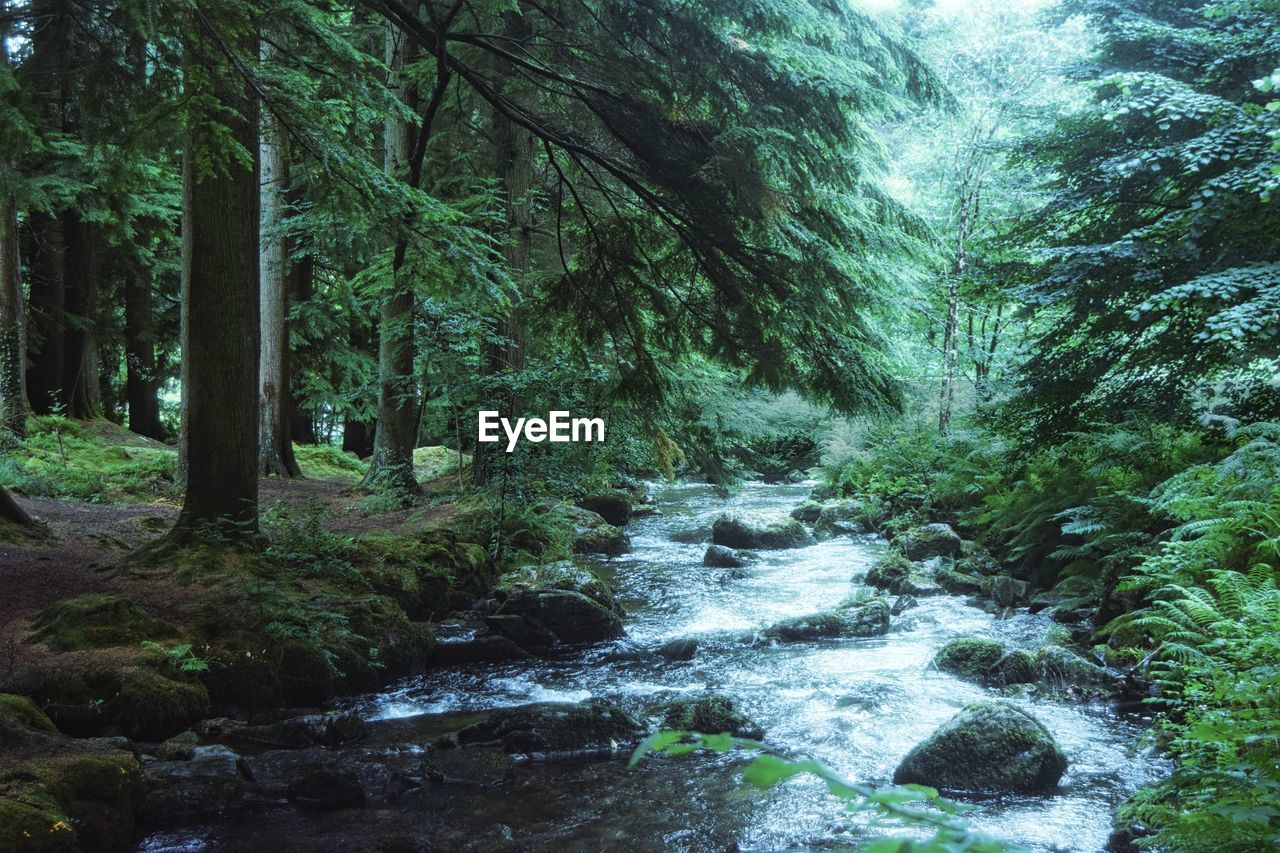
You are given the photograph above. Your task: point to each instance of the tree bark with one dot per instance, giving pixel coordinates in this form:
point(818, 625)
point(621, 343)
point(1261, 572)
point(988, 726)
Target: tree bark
point(220, 350)
point(275, 442)
point(48, 258)
point(391, 464)
point(142, 382)
point(10, 511)
point(80, 394)
point(13, 396)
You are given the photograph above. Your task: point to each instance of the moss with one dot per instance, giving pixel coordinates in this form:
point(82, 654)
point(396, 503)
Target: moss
point(97, 621)
point(553, 727)
point(71, 800)
point(864, 619)
point(153, 707)
point(426, 572)
point(76, 701)
point(710, 715)
point(93, 461)
point(613, 505)
point(970, 658)
point(735, 531)
point(31, 821)
point(432, 463)
point(889, 570)
point(20, 709)
point(327, 462)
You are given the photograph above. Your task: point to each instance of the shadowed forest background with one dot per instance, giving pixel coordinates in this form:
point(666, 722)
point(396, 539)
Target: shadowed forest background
point(1001, 276)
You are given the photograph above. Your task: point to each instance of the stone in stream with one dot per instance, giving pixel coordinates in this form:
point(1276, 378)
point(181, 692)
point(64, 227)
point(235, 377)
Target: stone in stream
point(740, 531)
point(478, 766)
point(1006, 591)
point(720, 557)
point(210, 780)
point(844, 517)
point(682, 649)
point(326, 788)
point(613, 505)
point(329, 729)
point(928, 540)
point(709, 715)
point(484, 649)
point(889, 571)
point(807, 512)
point(593, 535)
point(989, 747)
point(865, 619)
point(957, 583)
point(985, 662)
point(1063, 669)
point(562, 602)
point(551, 727)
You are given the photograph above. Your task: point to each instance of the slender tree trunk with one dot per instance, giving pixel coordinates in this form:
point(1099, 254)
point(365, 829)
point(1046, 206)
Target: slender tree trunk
point(951, 328)
point(275, 443)
point(220, 350)
point(142, 383)
point(300, 285)
point(13, 396)
point(391, 464)
point(358, 435)
point(45, 347)
point(513, 150)
point(80, 397)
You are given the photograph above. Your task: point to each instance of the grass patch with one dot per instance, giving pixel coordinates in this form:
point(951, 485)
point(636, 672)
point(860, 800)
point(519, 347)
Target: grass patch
point(329, 462)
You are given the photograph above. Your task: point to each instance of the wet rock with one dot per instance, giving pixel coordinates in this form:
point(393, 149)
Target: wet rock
point(822, 493)
point(978, 562)
point(326, 789)
point(807, 512)
point(485, 649)
point(560, 602)
point(843, 517)
point(901, 604)
point(889, 570)
point(929, 540)
point(552, 727)
point(989, 747)
point(691, 535)
point(210, 780)
point(683, 649)
point(867, 619)
point(985, 662)
point(958, 583)
point(738, 531)
point(593, 535)
point(1063, 669)
point(1006, 591)
point(918, 585)
point(614, 506)
point(330, 729)
point(482, 767)
point(709, 715)
point(720, 557)
point(152, 707)
point(179, 747)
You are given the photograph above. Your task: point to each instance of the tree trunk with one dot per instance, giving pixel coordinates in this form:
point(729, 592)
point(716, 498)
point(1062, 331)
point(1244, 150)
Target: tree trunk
point(513, 150)
point(10, 511)
point(80, 397)
point(391, 464)
point(275, 442)
point(13, 395)
point(48, 273)
point(142, 383)
point(302, 427)
point(220, 349)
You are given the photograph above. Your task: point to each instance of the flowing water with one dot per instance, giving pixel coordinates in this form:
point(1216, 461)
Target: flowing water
point(858, 705)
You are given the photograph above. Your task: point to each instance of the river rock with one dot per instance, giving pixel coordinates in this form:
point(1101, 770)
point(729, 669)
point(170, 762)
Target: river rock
point(844, 517)
point(682, 649)
point(928, 540)
point(479, 766)
point(709, 715)
point(1063, 669)
point(866, 619)
point(989, 747)
point(985, 662)
point(807, 512)
point(958, 583)
point(720, 557)
point(918, 585)
point(329, 729)
point(593, 535)
point(889, 570)
point(738, 531)
point(326, 788)
point(179, 747)
point(212, 780)
point(561, 602)
point(553, 727)
point(613, 505)
point(901, 604)
point(1006, 591)
point(491, 648)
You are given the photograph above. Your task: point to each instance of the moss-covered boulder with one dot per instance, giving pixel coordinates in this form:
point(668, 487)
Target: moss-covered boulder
point(593, 535)
point(843, 517)
point(956, 582)
point(426, 572)
point(989, 747)
point(613, 505)
point(720, 557)
point(20, 709)
point(928, 540)
point(153, 707)
point(562, 602)
point(740, 531)
point(95, 622)
point(865, 619)
point(1006, 591)
point(985, 662)
point(1063, 669)
point(807, 512)
point(552, 727)
point(889, 570)
point(205, 780)
point(709, 715)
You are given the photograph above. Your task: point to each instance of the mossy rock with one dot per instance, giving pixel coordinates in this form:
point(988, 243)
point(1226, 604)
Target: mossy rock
point(970, 658)
point(889, 571)
point(76, 700)
point(1061, 668)
point(989, 747)
point(867, 619)
point(426, 572)
point(613, 505)
point(738, 531)
point(928, 540)
point(152, 707)
point(842, 518)
point(1006, 591)
point(720, 557)
point(564, 615)
point(807, 512)
point(956, 582)
point(553, 727)
point(562, 575)
point(30, 820)
point(97, 621)
point(709, 715)
point(477, 766)
point(20, 709)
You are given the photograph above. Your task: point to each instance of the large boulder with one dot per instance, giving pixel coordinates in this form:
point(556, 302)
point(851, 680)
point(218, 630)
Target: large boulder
point(956, 582)
point(1006, 591)
point(841, 518)
point(807, 512)
point(720, 557)
point(613, 505)
point(739, 531)
point(985, 662)
point(1063, 669)
point(889, 570)
point(928, 540)
point(593, 535)
point(210, 780)
point(864, 619)
point(552, 727)
point(325, 788)
point(562, 602)
point(478, 767)
point(709, 715)
point(989, 747)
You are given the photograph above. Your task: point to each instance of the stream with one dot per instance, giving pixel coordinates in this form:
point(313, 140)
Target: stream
point(858, 705)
